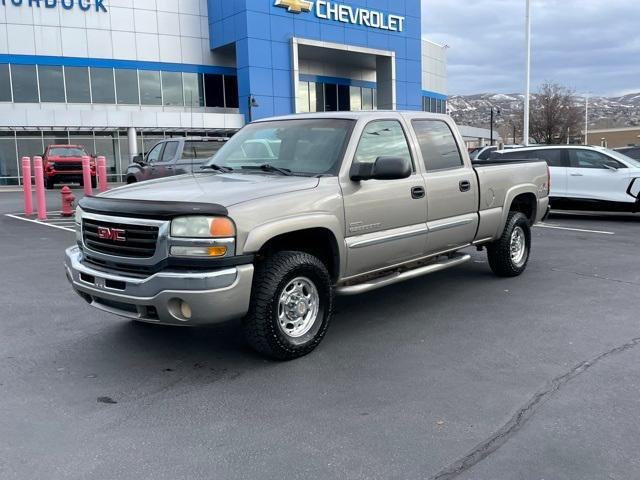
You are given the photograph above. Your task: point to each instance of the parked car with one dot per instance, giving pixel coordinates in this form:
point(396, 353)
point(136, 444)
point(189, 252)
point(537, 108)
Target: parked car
point(339, 203)
point(63, 164)
point(585, 177)
point(173, 156)
point(484, 153)
point(633, 152)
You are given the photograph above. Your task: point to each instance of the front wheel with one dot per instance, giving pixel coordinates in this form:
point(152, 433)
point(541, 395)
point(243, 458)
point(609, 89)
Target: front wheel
point(291, 305)
point(509, 255)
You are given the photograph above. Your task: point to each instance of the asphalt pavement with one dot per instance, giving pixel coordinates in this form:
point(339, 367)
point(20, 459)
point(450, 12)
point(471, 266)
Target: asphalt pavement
point(454, 375)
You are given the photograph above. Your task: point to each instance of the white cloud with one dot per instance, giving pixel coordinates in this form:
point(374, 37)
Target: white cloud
point(586, 45)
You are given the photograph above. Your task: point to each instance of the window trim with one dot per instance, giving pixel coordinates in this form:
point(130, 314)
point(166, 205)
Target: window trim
point(404, 130)
point(455, 140)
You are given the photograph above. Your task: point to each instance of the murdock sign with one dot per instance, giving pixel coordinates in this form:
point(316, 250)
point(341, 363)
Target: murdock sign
point(84, 5)
point(340, 12)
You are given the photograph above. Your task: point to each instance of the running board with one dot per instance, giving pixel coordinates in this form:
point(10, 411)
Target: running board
point(402, 276)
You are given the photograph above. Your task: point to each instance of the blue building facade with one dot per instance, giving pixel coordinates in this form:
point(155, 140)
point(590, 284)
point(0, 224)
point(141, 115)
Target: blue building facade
point(379, 40)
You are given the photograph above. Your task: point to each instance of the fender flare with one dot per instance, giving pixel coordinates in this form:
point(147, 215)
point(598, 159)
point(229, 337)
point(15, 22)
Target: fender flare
point(511, 194)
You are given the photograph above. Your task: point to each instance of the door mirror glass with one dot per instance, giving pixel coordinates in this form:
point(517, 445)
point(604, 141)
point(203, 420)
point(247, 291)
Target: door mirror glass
point(138, 159)
point(384, 168)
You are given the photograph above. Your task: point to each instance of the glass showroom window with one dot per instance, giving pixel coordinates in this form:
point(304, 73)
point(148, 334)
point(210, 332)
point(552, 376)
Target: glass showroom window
point(231, 92)
point(367, 99)
point(25, 83)
point(77, 81)
point(127, 87)
point(214, 90)
point(51, 80)
point(172, 89)
point(8, 159)
point(303, 97)
point(5, 83)
point(356, 98)
point(150, 90)
point(102, 86)
point(193, 90)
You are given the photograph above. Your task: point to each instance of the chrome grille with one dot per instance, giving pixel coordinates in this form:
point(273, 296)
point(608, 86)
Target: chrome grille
point(139, 240)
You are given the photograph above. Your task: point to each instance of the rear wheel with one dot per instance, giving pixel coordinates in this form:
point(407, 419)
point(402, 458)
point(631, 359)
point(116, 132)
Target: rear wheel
point(509, 255)
point(291, 305)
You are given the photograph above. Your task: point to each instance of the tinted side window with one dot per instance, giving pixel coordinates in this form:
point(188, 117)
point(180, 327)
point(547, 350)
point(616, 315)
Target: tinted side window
point(438, 145)
point(486, 154)
point(589, 159)
point(554, 158)
point(170, 150)
point(383, 138)
point(154, 154)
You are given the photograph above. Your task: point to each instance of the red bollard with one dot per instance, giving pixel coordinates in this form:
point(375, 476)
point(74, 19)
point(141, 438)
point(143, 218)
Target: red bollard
point(40, 197)
point(101, 171)
point(86, 175)
point(26, 184)
point(67, 201)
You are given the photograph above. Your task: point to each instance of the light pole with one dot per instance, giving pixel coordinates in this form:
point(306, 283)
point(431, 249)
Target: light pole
point(497, 112)
point(525, 129)
point(586, 119)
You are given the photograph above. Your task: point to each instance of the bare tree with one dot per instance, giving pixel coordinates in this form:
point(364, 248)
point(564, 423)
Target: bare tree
point(554, 114)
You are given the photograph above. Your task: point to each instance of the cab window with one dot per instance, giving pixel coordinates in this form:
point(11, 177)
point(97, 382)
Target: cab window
point(170, 150)
point(438, 145)
point(590, 159)
point(154, 154)
point(383, 138)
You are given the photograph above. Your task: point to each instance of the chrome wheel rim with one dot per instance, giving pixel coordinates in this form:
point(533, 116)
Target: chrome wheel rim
point(518, 246)
point(298, 307)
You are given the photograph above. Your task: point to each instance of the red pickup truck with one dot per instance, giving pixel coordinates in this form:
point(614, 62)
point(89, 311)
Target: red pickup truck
point(63, 163)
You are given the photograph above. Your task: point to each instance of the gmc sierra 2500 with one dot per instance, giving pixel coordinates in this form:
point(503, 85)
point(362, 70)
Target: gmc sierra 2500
point(294, 210)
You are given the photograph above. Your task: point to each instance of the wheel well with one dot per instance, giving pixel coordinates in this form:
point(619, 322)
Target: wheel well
point(319, 242)
point(525, 203)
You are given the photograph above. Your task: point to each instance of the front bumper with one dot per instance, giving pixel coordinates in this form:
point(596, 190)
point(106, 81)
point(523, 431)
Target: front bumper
point(212, 297)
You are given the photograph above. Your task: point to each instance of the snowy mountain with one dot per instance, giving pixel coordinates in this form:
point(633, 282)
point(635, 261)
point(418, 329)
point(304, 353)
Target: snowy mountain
point(604, 112)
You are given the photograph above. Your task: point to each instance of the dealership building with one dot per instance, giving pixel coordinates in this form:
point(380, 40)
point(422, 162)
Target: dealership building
point(116, 76)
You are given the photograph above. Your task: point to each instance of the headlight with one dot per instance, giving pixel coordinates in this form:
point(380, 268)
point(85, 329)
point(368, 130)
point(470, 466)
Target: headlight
point(78, 217)
point(202, 227)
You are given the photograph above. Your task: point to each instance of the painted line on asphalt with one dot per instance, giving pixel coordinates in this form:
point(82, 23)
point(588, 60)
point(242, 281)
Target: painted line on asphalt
point(569, 229)
point(38, 222)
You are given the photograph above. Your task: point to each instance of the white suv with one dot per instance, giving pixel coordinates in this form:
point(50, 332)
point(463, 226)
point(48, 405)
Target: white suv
point(586, 177)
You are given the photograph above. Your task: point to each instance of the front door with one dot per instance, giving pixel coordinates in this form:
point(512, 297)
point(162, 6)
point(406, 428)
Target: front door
point(452, 188)
point(590, 178)
point(385, 219)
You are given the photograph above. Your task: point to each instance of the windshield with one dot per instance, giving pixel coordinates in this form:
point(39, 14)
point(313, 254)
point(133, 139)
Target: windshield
point(66, 152)
point(304, 147)
point(623, 158)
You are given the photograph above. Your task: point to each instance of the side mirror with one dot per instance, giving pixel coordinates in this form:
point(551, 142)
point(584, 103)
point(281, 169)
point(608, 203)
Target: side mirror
point(138, 159)
point(611, 165)
point(384, 168)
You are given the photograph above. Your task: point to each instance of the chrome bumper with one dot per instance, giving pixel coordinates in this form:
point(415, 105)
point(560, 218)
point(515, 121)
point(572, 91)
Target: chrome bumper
point(211, 297)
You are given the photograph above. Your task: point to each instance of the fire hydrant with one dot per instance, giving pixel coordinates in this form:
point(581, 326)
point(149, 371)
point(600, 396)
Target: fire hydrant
point(67, 201)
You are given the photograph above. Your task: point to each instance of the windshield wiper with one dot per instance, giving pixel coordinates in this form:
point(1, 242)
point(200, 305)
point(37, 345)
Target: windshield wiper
point(269, 168)
point(217, 168)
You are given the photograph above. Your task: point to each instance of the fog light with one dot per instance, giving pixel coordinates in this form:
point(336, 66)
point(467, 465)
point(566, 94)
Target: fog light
point(185, 310)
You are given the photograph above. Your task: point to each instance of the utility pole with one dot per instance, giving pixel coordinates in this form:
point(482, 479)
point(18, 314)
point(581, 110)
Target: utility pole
point(586, 119)
point(497, 112)
point(491, 126)
point(525, 130)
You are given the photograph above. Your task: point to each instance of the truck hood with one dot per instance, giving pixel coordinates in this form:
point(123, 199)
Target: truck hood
point(222, 189)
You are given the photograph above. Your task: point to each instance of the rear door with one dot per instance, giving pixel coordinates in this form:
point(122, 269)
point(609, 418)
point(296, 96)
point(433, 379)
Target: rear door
point(558, 161)
point(385, 219)
point(452, 187)
point(590, 178)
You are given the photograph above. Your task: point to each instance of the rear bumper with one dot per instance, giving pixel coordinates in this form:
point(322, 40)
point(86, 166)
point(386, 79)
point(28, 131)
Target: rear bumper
point(544, 208)
point(212, 297)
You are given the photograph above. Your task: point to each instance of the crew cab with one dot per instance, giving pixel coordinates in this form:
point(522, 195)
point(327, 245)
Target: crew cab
point(328, 204)
point(174, 156)
point(63, 163)
point(586, 178)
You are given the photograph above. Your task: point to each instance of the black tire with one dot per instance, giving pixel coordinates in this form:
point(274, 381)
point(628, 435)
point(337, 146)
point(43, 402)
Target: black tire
point(499, 252)
point(49, 183)
point(262, 327)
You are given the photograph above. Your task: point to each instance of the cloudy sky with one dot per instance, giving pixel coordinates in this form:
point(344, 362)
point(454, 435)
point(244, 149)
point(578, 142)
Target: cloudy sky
point(587, 45)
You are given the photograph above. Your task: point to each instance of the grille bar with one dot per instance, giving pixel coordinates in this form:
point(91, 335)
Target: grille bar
point(139, 241)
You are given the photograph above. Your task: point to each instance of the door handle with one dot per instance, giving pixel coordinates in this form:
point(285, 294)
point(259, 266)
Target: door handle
point(465, 185)
point(576, 174)
point(417, 193)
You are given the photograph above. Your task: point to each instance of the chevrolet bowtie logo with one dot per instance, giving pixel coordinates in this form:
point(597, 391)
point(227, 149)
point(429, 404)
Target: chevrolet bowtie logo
point(295, 6)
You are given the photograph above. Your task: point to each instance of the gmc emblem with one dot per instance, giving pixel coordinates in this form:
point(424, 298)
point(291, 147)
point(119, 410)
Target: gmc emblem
point(113, 234)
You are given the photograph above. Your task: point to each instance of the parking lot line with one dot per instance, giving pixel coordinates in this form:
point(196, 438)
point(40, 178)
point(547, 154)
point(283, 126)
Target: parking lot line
point(17, 217)
point(569, 229)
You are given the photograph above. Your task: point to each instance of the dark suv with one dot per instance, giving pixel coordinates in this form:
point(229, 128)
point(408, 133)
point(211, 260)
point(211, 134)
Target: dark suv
point(633, 152)
point(173, 156)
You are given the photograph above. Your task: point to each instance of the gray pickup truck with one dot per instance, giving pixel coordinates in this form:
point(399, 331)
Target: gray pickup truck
point(295, 210)
point(173, 156)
